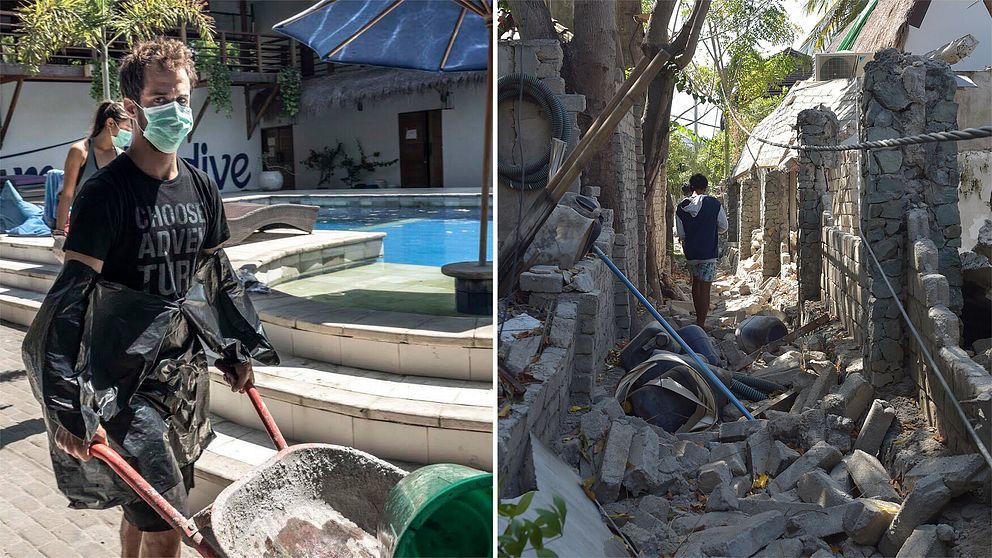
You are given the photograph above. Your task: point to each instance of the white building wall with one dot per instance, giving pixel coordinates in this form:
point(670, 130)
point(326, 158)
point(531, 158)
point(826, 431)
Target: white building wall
point(53, 113)
point(377, 127)
point(948, 20)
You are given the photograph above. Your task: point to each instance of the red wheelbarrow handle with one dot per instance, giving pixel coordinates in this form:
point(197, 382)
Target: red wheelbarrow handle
point(105, 453)
point(133, 478)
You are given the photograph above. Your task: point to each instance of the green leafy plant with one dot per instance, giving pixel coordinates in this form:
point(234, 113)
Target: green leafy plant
point(328, 160)
point(96, 85)
point(49, 26)
point(209, 63)
point(289, 90)
point(521, 533)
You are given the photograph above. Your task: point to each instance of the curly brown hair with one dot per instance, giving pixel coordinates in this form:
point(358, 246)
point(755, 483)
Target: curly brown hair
point(163, 53)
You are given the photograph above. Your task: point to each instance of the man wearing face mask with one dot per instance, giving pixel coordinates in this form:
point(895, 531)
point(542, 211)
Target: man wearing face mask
point(143, 221)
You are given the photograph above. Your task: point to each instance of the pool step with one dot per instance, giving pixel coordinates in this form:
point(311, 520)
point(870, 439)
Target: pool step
point(409, 418)
point(451, 347)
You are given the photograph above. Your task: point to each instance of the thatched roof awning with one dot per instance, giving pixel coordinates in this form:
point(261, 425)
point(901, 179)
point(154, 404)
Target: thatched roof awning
point(348, 87)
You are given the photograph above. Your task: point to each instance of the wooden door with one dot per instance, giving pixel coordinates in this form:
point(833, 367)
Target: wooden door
point(415, 170)
point(277, 145)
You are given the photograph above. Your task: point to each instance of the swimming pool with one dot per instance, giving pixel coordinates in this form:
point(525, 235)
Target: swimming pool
point(415, 236)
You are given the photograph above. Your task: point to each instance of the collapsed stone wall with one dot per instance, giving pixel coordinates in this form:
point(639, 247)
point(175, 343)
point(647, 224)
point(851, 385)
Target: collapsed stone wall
point(749, 209)
point(582, 330)
point(774, 219)
point(927, 300)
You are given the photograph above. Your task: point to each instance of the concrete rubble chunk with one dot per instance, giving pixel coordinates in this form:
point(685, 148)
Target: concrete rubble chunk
point(743, 539)
point(946, 533)
point(780, 456)
point(865, 524)
point(839, 432)
point(759, 450)
point(738, 431)
point(818, 487)
point(614, 462)
point(711, 475)
point(518, 324)
point(825, 381)
point(923, 542)
point(691, 456)
point(642, 538)
point(871, 477)
point(643, 475)
point(782, 548)
point(841, 477)
point(812, 427)
point(961, 473)
point(856, 393)
point(822, 456)
point(742, 485)
point(783, 426)
point(877, 423)
point(723, 498)
point(927, 498)
point(594, 425)
point(520, 353)
point(611, 407)
point(753, 505)
point(656, 506)
point(820, 523)
point(787, 496)
point(732, 454)
point(691, 523)
point(822, 553)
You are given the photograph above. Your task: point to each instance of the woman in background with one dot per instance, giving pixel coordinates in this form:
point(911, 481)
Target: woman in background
point(111, 133)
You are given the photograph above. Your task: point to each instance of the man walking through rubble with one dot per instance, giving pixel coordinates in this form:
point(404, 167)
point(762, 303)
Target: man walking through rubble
point(699, 219)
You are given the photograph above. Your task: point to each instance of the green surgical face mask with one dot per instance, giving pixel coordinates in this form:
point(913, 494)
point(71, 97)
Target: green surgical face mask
point(168, 125)
point(123, 138)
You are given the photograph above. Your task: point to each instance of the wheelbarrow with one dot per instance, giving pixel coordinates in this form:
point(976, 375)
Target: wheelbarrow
point(322, 500)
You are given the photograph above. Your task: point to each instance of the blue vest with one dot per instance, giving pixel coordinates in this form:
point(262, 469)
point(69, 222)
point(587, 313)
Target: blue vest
point(700, 231)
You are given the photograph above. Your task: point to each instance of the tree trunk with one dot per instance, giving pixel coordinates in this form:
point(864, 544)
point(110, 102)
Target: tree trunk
point(533, 20)
point(105, 65)
point(594, 74)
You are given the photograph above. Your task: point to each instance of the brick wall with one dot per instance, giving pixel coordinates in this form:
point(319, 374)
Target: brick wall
point(842, 281)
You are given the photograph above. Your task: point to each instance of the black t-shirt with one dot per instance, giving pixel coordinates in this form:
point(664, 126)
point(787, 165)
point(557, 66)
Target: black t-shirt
point(148, 232)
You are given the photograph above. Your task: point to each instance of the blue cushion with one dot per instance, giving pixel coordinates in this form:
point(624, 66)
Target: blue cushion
point(34, 226)
point(15, 212)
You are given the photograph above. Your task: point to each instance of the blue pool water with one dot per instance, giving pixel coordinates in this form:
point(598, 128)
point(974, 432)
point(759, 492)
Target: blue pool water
point(417, 236)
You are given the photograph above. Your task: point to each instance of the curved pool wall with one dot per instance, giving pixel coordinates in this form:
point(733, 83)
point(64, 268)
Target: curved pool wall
point(414, 197)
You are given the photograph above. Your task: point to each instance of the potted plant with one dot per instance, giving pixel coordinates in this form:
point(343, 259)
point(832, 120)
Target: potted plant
point(271, 178)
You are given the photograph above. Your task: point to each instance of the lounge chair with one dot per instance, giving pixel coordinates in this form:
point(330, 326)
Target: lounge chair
point(243, 219)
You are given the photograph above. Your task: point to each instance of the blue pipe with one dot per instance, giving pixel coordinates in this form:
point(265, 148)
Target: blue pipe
point(685, 346)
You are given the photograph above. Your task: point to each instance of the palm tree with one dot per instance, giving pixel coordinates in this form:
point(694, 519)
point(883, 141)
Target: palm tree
point(837, 15)
point(52, 25)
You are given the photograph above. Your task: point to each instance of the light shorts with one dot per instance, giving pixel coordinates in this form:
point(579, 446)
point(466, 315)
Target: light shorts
point(704, 271)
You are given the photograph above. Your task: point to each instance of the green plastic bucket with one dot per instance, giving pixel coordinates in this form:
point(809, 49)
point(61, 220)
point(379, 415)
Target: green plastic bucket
point(442, 510)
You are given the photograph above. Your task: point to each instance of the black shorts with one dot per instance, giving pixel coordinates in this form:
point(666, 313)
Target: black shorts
point(147, 520)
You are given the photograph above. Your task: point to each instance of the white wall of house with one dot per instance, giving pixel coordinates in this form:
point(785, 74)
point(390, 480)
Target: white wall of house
point(948, 20)
point(52, 113)
point(377, 127)
point(975, 157)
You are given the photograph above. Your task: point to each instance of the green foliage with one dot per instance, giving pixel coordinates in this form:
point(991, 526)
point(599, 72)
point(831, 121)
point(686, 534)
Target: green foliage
point(289, 90)
point(836, 16)
point(49, 26)
point(208, 63)
point(329, 160)
point(520, 532)
point(96, 84)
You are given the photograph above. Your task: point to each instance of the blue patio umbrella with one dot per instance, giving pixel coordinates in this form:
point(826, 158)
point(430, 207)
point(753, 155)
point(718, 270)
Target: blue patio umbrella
point(429, 35)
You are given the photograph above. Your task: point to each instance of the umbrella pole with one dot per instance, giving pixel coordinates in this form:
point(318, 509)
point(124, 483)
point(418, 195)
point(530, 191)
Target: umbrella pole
point(487, 147)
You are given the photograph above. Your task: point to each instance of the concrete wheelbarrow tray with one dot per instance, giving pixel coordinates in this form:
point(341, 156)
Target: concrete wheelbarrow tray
point(322, 500)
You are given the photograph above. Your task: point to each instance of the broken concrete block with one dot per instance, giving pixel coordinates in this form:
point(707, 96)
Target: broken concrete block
point(759, 450)
point(822, 553)
point(821, 387)
point(927, 498)
point(520, 353)
point(820, 523)
point(594, 425)
point(614, 462)
point(642, 538)
point(850, 549)
point(703, 437)
point(865, 524)
point(812, 427)
point(711, 475)
point(821, 455)
point(856, 393)
point(961, 473)
point(691, 455)
point(782, 548)
point(611, 407)
point(787, 496)
point(780, 456)
point(541, 282)
point(783, 426)
point(817, 487)
point(742, 485)
point(743, 539)
point(923, 542)
point(754, 505)
point(691, 523)
point(656, 506)
point(871, 477)
point(739, 430)
point(841, 477)
point(723, 498)
point(732, 454)
point(839, 432)
point(876, 424)
point(642, 474)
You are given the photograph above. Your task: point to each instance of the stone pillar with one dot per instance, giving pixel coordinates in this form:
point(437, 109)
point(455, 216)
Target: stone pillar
point(904, 96)
point(733, 199)
point(816, 127)
point(749, 213)
point(774, 188)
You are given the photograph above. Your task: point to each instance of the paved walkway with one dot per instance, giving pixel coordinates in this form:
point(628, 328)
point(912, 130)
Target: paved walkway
point(35, 519)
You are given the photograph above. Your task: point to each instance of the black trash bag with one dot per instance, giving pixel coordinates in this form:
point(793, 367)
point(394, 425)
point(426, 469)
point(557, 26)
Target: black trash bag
point(101, 352)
